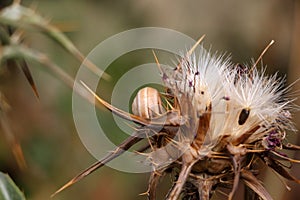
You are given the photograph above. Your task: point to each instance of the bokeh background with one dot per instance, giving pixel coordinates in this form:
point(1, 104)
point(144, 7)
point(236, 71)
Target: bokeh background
point(45, 127)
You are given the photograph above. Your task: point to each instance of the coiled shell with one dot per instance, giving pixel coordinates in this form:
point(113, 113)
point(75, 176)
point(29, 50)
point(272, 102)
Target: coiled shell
point(147, 103)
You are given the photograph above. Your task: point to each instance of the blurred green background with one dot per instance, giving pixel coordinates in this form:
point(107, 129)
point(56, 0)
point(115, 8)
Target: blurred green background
point(45, 127)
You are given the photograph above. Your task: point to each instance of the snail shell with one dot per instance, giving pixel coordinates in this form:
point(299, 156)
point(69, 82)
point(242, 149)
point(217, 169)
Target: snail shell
point(147, 103)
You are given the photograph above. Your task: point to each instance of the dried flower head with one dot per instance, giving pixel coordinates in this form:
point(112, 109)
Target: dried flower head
point(220, 120)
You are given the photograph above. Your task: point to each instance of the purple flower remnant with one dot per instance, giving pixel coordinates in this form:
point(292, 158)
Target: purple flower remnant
point(164, 77)
point(273, 140)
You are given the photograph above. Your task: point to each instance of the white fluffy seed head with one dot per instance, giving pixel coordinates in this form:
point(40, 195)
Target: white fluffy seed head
point(260, 95)
point(196, 80)
point(241, 100)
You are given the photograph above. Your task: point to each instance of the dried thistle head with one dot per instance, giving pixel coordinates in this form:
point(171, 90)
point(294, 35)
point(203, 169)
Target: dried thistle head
point(234, 114)
point(220, 119)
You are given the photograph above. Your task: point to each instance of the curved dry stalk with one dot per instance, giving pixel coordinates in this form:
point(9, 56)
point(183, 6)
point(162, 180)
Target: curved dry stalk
point(167, 119)
point(182, 178)
point(236, 170)
point(154, 179)
point(261, 55)
point(274, 153)
point(238, 153)
point(252, 182)
point(125, 145)
point(290, 146)
point(120, 113)
point(205, 188)
point(190, 52)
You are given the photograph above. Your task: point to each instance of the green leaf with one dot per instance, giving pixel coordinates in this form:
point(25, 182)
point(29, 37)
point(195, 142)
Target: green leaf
point(8, 189)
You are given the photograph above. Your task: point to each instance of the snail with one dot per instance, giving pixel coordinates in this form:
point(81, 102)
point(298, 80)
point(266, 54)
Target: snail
point(147, 103)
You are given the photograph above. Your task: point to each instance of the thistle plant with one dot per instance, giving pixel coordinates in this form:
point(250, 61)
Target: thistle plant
point(219, 122)
point(214, 125)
